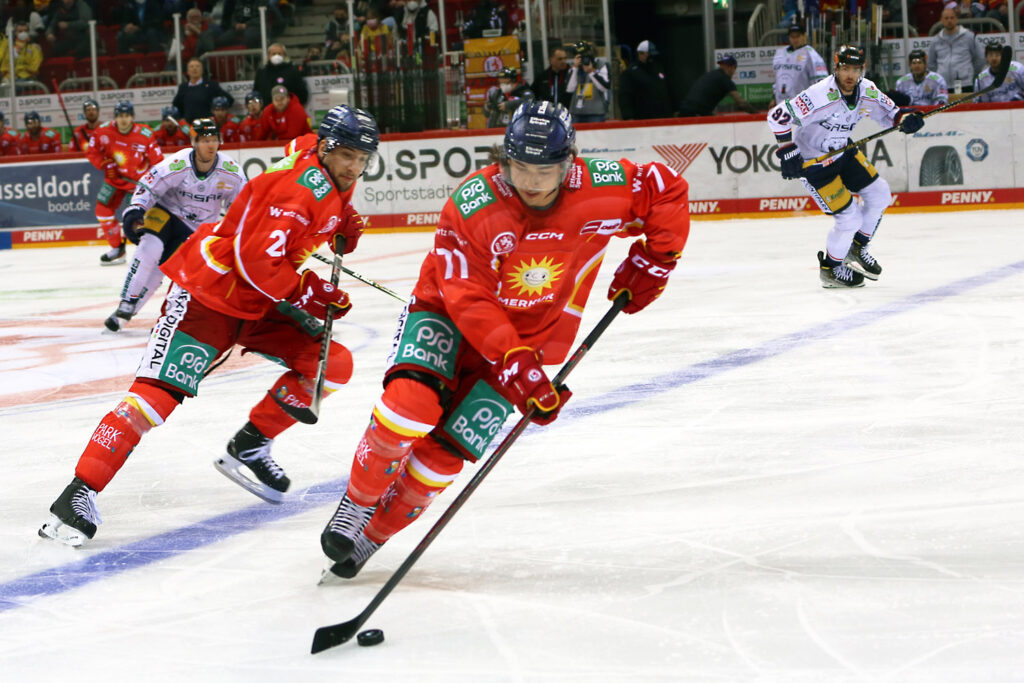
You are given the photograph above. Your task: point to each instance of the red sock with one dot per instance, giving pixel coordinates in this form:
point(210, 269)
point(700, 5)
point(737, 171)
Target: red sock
point(267, 415)
point(428, 472)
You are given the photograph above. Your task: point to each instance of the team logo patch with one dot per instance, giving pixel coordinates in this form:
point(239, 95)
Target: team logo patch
point(313, 179)
point(504, 243)
point(606, 172)
point(474, 194)
point(477, 419)
point(534, 277)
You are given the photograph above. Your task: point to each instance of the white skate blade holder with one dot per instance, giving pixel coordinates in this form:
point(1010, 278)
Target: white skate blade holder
point(232, 469)
point(59, 531)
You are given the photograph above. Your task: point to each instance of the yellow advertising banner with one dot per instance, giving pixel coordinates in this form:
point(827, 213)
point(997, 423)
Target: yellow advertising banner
point(487, 56)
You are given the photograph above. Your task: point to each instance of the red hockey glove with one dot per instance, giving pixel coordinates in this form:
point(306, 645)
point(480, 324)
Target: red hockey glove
point(351, 228)
point(643, 276)
point(909, 120)
point(314, 295)
point(112, 175)
point(527, 386)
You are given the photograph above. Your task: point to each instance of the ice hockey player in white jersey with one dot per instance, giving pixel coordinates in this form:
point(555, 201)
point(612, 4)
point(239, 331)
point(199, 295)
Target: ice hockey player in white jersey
point(188, 188)
point(819, 120)
point(796, 67)
point(924, 88)
point(1012, 88)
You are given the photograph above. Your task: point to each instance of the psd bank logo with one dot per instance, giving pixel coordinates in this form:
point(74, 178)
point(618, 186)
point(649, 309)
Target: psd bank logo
point(679, 157)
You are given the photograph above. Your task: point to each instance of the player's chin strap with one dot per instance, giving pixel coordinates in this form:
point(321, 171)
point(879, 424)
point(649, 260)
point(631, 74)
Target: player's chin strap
point(329, 636)
point(998, 78)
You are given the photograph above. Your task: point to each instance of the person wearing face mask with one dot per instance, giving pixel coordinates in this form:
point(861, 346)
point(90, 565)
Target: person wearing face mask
point(28, 56)
point(336, 36)
point(375, 36)
point(505, 98)
point(422, 18)
point(279, 71)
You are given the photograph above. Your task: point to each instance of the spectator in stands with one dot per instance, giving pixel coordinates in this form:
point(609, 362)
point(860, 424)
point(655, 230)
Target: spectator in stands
point(954, 53)
point(589, 85)
point(992, 9)
point(284, 119)
point(194, 98)
point(489, 16)
point(23, 11)
point(251, 127)
point(68, 29)
point(923, 88)
point(27, 55)
point(8, 140)
point(173, 131)
point(418, 14)
point(892, 10)
point(279, 71)
point(812, 8)
point(708, 90)
point(197, 35)
point(36, 139)
point(141, 26)
point(336, 35)
point(550, 85)
point(229, 130)
point(391, 12)
point(375, 35)
point(276, 17)
point(502, 100)
point(80, 136)
point(643, 89)
point(243, 25)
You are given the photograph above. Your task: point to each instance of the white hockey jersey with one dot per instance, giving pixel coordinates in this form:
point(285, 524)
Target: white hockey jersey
point(1011, 90)
point(796, 70)
point(819, 119)
point(930, 91)
point(174, 185)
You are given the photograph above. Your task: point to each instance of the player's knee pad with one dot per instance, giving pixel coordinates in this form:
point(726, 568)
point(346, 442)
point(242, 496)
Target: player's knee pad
point(849, 219)
point(877, 196)
point(150, 249)
point(339, 367)
point(408, 409)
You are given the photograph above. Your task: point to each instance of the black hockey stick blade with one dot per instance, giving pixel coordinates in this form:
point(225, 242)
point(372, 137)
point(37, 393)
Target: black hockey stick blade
point(330, 636)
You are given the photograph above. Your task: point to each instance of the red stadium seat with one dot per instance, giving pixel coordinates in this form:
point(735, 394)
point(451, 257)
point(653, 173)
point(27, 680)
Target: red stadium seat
point(122, 68)
point(106, 36)
point(56, 69)
point(152, 61)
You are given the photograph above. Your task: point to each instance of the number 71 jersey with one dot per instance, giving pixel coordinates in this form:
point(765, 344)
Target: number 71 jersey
point(510, 276)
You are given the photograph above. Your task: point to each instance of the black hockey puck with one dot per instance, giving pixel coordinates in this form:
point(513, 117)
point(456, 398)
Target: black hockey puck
point(371, 636)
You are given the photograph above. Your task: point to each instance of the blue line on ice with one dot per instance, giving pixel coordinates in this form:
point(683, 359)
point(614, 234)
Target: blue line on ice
point(146, 551)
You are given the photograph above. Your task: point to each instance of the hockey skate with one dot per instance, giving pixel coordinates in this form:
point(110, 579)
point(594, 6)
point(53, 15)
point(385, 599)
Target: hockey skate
point(838, 276)
point(125, 311)
point(73, 516)
point(344, 542)
point(861, 261)
point(251, 450)
point(113, 257)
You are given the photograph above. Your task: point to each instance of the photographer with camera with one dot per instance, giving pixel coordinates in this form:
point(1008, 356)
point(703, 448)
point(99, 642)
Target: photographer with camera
point(589, 85)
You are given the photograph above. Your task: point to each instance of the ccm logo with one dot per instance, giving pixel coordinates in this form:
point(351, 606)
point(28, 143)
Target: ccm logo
point(544, 236)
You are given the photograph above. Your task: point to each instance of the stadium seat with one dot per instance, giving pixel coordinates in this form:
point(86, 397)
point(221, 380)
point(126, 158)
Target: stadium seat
point(106, 36)
point(121, 68)
point(56, 69)
point(152, 61)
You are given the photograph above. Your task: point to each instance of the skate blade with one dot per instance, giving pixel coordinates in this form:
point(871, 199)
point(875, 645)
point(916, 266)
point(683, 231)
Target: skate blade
point(231, 469)
point(57, 530)
point(328, 577)
point(856, 267)
point(114, 262)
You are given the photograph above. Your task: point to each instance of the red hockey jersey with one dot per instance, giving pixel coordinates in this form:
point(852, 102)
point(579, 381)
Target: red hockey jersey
point(229, 131)
point(179, 138)
point(510, 276)
point(251, 130)
point(48, 142)
point(246, 263)
point(9, 143)
point(81, 135)
point(134, 153)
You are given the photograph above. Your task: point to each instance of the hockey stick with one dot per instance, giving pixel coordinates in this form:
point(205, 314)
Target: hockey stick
point(998, 78)
point(366, 280)
point(311, 414)
point(330, 636)
point(60, 99)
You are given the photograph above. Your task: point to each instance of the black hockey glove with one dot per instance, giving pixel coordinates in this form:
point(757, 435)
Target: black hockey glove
point(791, 162)
point(909, 120)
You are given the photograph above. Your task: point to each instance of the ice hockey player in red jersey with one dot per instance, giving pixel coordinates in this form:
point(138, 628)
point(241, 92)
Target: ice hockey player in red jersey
point(81, 135)
point(516, 252)
point(236, 282)
point(36, 139)
point(173, 131)
point(8, 139)
point(285, 118)
point(251, 127)
point(229, 130)
point(123, 151)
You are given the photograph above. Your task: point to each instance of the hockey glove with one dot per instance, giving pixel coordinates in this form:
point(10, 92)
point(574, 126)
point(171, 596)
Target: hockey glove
point(642, 275)
point(314, 295)
point(909, 120)
point(791, 162)
point(132, 219)
point(351, 228)
point(527, 386)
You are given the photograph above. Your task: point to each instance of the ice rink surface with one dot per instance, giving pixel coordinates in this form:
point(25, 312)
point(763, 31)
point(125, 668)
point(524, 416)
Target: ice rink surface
point(756, 480)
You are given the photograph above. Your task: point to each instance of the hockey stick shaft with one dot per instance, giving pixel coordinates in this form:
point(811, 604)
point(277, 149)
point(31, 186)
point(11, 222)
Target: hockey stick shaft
point(364, 280)
point(999, 77)
point(60, 99)
point(330, 636)
point(311, 414)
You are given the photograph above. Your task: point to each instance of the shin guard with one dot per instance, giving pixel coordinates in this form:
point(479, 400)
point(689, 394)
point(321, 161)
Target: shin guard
point(428, 472)
point(290, 388)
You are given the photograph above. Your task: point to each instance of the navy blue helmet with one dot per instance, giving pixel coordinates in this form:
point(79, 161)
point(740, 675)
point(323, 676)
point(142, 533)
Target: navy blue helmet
point(219, 102)
point(90, 103)
point(31, 116)
point(253, 95)
point(124, 107)
point(540, 132)
point(345, 126)
point(169, 112)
